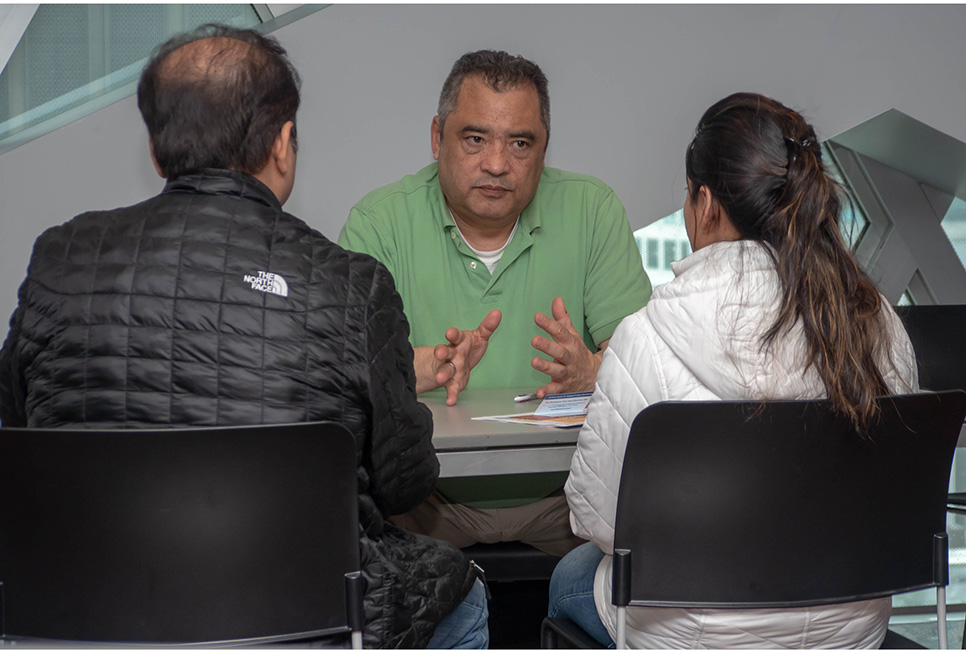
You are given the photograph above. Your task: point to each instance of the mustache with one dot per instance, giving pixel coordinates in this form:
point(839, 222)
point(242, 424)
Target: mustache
point(490, 181)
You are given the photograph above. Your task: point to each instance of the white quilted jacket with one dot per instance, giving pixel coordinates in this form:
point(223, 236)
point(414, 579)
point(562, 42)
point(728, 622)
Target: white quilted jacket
point(699, 339)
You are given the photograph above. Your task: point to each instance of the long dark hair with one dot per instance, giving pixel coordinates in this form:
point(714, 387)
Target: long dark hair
point(762, 162)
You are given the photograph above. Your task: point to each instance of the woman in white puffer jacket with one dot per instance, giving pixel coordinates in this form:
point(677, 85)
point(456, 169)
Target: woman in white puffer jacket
point(771, 305)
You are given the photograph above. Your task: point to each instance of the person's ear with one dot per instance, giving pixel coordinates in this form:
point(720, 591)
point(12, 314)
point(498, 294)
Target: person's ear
point(712, 221)
point(435, 136)
point(283, 154)
point(707, 210)
point(154, 160)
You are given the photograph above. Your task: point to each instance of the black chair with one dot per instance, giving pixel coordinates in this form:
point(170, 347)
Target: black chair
point(245, 535)
point(936, 332)
point(782, 504)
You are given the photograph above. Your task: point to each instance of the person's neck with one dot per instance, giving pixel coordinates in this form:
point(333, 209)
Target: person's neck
point(274, 182)
point(486, 236)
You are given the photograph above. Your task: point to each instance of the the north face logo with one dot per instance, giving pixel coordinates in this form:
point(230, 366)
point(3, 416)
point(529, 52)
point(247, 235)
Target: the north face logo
point(268, 282)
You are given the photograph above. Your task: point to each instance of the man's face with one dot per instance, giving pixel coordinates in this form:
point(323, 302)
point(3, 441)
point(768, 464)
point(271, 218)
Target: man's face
point(490, 153)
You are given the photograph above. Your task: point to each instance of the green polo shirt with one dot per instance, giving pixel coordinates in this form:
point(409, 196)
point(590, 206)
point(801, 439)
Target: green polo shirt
point(573, 241)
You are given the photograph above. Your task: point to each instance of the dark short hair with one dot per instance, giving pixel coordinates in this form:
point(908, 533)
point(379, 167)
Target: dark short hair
point(501, 72)
point(221, 110)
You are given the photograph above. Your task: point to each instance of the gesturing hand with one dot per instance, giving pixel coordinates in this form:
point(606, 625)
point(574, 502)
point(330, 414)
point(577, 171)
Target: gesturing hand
point(573, 367)
point(464, 351)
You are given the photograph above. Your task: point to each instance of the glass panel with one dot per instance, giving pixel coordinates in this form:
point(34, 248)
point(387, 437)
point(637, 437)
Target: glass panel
point(954, 224)
point(667, 236)
point(72, 54)
point(853, 222)
point(670, 253)
point(652, 256)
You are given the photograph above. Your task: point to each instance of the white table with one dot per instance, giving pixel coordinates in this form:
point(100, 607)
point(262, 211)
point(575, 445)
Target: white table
point(467, 447)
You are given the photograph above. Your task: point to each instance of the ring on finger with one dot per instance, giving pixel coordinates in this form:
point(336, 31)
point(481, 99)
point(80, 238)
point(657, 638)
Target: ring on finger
point(453, 365)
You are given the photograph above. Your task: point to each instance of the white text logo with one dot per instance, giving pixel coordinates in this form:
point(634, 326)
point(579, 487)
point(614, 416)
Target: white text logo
point(268, 282)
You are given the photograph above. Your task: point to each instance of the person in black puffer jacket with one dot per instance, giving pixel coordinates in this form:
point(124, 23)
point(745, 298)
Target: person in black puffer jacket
point(209, 305)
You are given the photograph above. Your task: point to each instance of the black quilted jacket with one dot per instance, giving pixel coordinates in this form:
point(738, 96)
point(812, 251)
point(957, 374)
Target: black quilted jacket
point(209, 305)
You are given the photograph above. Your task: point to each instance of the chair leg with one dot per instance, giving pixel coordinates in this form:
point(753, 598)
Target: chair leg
point(621, 627)
point(355, 612)
point(941, 616)
point(563, 633)
point(548, 637)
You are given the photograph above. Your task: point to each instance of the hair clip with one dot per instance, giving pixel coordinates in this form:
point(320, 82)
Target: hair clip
point(792, 148)
point(805, 144)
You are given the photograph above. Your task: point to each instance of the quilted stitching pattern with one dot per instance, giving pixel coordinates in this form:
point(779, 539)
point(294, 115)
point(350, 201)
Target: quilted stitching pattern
point(158, 314)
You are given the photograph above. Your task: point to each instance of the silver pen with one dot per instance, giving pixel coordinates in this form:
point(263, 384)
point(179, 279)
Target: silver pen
point(521, 398)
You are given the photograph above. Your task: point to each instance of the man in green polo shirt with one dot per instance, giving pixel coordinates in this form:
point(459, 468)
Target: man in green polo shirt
point(482, 245)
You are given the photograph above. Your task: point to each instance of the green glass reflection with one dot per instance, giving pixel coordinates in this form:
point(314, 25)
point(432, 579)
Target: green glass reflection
point(71, 54)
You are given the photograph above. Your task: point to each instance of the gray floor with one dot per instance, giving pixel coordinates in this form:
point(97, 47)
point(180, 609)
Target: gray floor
point(922, 628)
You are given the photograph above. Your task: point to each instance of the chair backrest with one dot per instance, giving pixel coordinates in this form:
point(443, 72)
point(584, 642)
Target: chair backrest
point(782, 504)
point(936, 333)
point(178, 535)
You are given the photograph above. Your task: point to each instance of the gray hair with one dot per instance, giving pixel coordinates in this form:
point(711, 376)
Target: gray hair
point(501, 72)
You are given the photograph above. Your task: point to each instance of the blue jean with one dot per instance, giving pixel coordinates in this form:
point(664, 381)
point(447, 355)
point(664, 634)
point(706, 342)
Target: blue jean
point(572, 591)
point(466, 626)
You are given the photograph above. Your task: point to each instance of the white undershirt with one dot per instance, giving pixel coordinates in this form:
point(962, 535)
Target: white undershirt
point(491, 258)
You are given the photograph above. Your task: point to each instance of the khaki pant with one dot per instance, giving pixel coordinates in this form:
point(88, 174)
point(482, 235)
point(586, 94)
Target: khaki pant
point(543, 524)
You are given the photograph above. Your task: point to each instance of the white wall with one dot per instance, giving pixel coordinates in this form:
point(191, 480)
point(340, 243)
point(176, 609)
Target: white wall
point(13, 21)
point(627, 85)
